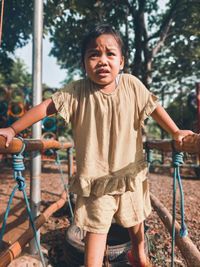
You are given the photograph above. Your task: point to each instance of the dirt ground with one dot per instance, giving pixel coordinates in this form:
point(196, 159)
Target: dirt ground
point(53, 231)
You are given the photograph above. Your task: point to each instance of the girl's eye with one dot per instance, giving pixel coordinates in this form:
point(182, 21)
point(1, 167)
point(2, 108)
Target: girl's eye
point(110, 54)
point(93, 55)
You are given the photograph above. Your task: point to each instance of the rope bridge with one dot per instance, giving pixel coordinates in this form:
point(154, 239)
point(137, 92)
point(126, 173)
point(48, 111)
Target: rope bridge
point(179, 233)
point(18, 167)
point(17, 147)
point(190, 144)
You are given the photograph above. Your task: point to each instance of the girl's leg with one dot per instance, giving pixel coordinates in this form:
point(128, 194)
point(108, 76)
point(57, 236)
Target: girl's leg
point(94, 249)
point(137, 238)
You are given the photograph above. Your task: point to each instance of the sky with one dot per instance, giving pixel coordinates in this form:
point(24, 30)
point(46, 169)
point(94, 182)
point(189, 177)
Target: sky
point(52, 74)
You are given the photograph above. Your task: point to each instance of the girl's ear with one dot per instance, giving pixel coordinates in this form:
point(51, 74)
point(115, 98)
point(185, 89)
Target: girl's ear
point(122, 63)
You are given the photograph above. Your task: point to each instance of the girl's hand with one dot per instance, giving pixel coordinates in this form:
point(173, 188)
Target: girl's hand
point(180, 134)
point(8, 133)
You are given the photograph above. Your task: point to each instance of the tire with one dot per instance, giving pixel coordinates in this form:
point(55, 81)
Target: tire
point(197, 171)
point(5, 92)
point(118, 243)
point(116, 264)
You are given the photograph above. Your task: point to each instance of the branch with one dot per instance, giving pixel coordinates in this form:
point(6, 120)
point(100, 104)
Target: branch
point(131, 7)
point(162, 39)
point(166, 22)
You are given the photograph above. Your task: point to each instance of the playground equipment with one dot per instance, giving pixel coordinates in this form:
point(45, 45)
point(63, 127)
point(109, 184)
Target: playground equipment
point(16, 248)
point(16, 147)
point(14, 102)
point(188, 249)
point(118, 244)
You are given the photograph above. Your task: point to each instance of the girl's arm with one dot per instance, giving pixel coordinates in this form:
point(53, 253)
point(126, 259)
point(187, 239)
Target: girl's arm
point(32, 116)
point(165, 121)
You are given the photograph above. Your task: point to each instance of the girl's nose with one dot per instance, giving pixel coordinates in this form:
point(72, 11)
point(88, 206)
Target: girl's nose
point(102, 60)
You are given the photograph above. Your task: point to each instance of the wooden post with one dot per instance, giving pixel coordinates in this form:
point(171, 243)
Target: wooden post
point(187, 248)
point(16, 248)
point(190, 144)
point(198, 112)
point(31, 145)
point(198, 105)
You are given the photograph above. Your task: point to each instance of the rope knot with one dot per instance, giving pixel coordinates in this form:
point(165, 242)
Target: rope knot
point(184, 230)
point(177, 159)
point(18, 162)
point(21, 182)
point(18, 166)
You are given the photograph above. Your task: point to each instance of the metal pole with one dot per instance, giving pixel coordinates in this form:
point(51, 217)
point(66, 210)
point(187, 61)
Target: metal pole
point(36, 99)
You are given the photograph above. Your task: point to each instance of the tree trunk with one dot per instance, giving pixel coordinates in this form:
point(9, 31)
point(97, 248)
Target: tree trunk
point(138, 20)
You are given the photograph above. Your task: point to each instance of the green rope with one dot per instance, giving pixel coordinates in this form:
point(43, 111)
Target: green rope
point(177, 160)
point(18, 166)
point(64, 184)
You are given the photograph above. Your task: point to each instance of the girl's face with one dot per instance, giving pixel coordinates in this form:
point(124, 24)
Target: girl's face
point(103, 61)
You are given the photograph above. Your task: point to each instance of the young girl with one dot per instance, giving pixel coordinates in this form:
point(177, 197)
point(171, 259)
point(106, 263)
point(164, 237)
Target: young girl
point(107, 111)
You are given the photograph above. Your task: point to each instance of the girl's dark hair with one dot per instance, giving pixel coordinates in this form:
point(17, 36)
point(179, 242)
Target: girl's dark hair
point(96, 31)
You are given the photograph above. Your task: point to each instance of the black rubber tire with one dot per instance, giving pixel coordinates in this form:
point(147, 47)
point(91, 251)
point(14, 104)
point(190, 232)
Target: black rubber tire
point(197, 171)
point(117, 249)
point(116, 264)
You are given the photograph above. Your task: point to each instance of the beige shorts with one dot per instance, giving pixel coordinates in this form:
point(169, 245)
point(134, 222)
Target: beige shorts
point(95, 214)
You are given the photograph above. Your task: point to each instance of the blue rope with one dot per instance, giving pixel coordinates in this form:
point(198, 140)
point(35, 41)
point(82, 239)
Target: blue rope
point(64, 184)
point(177, 159)
point(18, 166)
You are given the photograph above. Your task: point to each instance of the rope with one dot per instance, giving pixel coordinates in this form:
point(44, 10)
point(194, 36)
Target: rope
point(64, 184)
point(148, 156)
point(18, 166)
point(1, 23)
point(177, 159)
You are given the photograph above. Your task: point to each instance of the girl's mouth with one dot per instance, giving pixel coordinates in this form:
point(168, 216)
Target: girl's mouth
point(102, 71)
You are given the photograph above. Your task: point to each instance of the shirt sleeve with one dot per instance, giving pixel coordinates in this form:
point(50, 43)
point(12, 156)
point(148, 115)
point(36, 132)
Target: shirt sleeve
point(63, 100)
point(145, 102)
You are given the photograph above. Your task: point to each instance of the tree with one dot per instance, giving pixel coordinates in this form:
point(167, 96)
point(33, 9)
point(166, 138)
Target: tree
point(18, 76)
point(161, 46)
point(142, 24)
point(17, 27)
point(177, 64)
point(189, 113)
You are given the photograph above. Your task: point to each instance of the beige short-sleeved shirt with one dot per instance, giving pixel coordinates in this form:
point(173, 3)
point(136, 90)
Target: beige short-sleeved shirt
point(107, 133)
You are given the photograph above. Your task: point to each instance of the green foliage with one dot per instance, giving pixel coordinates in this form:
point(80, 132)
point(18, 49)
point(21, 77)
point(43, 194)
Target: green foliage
point(17, 24)
point(17, 27)
point(145, 28)
point(162, 46)
point(69, 22)
point(159, 44)
point(64, 130)
point(183, 114)
point(18, 76)
point(177, 65)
